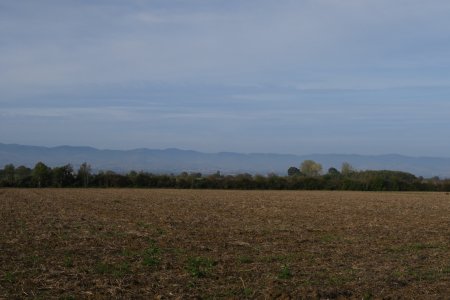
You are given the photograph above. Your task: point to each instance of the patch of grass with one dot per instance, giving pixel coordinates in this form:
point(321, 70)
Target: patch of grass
point(427, 274)
point(248, 292)
point(110, 234)
point(68, 261)
point(151, 256)
point(199, 267)
point(177, 251)
point(10, 277)
point(367, 296)
point(64, 236)
point(285, 273)
point(191, 284)
point(32, 261)
point(143, 225)
point(156, 230)
point(336, 279)
point(150, 261)
point(116, 270)
point(329, 238)
point(128, 253)
point(341, 278)
point(398, 274)
point(277, 258)
point(415, 247)
point(245, 259)
point(102, 268)
point(20, 224)
point(239, 293)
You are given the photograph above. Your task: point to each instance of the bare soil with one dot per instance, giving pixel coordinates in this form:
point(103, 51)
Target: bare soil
point(165, 244)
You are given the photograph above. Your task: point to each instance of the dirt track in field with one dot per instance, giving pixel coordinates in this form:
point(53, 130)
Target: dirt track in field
point(127, 243)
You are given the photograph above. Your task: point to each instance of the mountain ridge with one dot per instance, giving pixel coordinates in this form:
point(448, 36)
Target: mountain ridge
point(175, 160)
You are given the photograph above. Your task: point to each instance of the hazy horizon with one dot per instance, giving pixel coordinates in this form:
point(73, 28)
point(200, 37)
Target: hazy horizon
point(291, 77)
point(218, 152)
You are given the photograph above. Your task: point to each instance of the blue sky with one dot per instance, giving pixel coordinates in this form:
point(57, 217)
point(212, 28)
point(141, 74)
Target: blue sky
point(317, 76)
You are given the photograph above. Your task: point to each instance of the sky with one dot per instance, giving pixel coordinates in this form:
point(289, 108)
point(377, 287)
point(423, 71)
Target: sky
point(300, 77)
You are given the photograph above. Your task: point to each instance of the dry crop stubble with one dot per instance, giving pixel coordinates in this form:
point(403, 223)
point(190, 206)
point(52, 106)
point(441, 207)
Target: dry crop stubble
point(140, 243)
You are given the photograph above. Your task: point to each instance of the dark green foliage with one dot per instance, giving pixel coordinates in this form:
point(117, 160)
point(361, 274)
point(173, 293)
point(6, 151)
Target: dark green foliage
point(8, 175)
point(24, 176)
point(110, 179)
point(41, 175)
point(64, 176)
point(293, 171)
point(333, 172)
point(84, 175)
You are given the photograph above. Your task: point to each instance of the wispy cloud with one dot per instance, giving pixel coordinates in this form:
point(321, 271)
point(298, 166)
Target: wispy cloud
point(335, 43)
point(280, 72)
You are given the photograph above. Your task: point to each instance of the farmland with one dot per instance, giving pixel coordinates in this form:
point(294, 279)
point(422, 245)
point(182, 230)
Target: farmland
point(145, 243)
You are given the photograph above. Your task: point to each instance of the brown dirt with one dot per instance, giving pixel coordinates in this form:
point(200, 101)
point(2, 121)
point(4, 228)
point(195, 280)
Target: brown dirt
point(128, 243)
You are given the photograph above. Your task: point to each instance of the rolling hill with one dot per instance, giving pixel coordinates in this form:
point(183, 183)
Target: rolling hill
point(175, 160)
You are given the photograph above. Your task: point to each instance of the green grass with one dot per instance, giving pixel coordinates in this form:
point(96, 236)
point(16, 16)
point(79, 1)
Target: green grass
point(245, 259)
point(325, 277)
point(415, 247)
point(151, 256)
point(248, 292)
point(277, 258)
point(367, 296)
point(32, 261)
point(199, 267)
point(9, 277)
point(129, 253)
point(329, 238)
point(143, 225)
point(68, 261)
point(285, 273)
point(428, 274)
point(115, 270)
point(446, 270)
point(156, 230)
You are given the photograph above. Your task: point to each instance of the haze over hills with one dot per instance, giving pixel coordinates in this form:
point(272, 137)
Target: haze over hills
point(175, 160)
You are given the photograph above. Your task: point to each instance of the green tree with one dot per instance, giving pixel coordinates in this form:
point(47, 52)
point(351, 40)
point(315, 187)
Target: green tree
point(333, 172)
point(41, 175)
point(9, 175)
point(292, 171)
point(84, 174)
point(347, 169)
point(311, 168)
point(63, 176)
point(24, 176)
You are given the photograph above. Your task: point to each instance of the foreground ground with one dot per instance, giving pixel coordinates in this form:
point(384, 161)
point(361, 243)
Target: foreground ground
point(123, 243)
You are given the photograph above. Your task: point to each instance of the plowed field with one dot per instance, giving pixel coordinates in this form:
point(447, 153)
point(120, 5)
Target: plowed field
point(128, 243)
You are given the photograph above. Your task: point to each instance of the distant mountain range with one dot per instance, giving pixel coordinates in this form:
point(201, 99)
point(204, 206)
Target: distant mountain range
point(176, 160)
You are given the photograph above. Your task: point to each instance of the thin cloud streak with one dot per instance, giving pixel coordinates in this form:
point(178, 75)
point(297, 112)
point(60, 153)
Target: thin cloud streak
point(242, 75)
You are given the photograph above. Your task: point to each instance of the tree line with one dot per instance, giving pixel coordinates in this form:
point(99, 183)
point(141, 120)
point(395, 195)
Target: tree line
point(308, 176)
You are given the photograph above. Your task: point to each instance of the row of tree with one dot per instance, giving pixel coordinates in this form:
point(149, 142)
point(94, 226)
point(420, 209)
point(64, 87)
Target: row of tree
point(309, 176)
point(43, 176)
